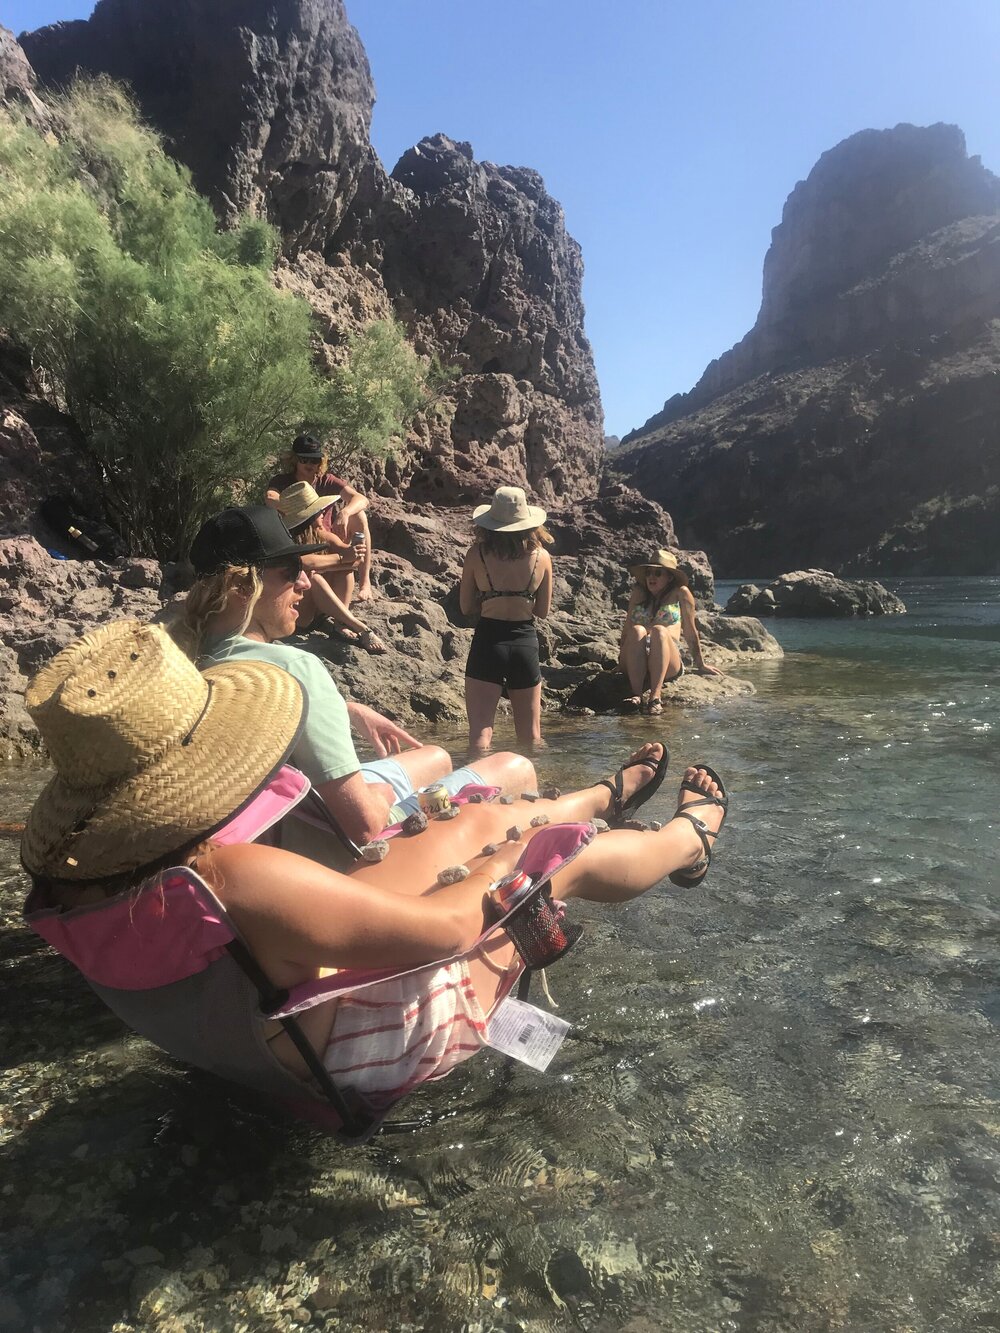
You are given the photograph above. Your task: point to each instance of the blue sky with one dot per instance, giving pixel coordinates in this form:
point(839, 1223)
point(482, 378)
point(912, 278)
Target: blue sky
point(670, 132)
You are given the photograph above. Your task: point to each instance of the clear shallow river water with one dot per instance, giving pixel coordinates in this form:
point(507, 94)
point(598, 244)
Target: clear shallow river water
point(779, 1108)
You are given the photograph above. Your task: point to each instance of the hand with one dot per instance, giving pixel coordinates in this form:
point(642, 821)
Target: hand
point(705, 670)
point(385, 736)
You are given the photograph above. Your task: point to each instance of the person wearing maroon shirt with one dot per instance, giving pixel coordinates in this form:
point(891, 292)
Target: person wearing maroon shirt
point(307, 461)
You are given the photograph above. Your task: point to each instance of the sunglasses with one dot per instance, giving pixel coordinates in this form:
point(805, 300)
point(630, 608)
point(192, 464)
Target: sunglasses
point(291, 567)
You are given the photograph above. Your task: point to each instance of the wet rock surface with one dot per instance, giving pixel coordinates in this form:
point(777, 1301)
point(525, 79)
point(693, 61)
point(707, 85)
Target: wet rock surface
point(815, 592)
point(46, 602)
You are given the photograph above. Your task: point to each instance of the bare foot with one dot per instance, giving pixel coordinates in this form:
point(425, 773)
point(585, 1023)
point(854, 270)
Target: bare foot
point(365, 593)
point(371, 643)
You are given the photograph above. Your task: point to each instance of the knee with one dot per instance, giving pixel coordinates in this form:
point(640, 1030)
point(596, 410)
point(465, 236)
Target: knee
point(436, 758)
point(518, 773)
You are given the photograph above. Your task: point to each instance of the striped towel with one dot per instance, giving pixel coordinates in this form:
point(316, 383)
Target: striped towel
point(390, 1037)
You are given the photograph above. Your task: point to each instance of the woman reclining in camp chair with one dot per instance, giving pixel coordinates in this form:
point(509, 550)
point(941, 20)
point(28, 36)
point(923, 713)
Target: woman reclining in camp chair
point(157, 768)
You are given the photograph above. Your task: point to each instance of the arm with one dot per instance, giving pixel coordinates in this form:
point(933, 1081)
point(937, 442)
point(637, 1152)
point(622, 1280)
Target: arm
point(271, 498)
point(351, 502)
point(468, 593)
point(543, 595)
point(690, 632)
point(360, 808)
point(334, 562)
point(386, 737)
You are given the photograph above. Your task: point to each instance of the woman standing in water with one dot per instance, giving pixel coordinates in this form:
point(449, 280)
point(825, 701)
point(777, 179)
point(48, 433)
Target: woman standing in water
point(507, 577)
point(660, 609)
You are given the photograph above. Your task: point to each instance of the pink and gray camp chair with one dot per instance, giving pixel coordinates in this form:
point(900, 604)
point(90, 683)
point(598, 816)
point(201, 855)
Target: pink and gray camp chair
point(169, 961)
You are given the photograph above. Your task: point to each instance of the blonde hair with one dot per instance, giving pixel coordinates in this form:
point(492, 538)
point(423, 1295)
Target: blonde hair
point(512, 545)
point(288, 460)
point(209, 597)
point(311, 533)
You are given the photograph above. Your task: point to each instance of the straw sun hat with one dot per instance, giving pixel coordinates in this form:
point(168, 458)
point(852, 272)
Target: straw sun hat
point(151, 755)
point(298, 503)
point(508, 511)
point(660, 560)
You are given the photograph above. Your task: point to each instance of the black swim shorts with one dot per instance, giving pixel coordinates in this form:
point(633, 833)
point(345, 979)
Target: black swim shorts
point(505, 652)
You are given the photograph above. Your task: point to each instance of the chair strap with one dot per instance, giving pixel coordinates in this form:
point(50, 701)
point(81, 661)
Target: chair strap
point(272, 997)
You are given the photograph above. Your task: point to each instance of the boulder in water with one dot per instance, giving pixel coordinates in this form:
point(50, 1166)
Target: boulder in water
point(815, 592)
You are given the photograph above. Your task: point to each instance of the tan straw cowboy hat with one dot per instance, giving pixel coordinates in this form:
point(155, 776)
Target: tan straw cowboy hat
point(661, 560)
point(298, 503)
point(151, 755)
point(508, 511)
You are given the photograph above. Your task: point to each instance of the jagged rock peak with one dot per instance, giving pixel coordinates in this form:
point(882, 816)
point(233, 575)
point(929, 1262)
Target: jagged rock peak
point(267, 101)
point(871, 197)
point(850, 264)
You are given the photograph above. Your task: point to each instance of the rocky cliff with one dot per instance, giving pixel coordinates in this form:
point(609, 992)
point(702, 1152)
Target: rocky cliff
point(867, 392)
point(269, 103)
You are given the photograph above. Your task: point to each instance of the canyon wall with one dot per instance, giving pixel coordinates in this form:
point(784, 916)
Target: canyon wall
point(269, 103)
point(856, 424)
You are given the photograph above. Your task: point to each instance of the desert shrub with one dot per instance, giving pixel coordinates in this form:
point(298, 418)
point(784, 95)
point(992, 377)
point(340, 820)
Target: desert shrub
point(165, 338)
point(376, 393)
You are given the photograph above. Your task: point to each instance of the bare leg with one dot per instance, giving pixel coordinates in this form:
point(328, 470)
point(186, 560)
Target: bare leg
point(413, 863)
point(660, 657)
point(425, 764)
point(633, 660)
point(615, 867)
point(526, 705)
point(481, 699)
point(364, 574)
point(623, 864)
point(512, 773)
point(341, 585)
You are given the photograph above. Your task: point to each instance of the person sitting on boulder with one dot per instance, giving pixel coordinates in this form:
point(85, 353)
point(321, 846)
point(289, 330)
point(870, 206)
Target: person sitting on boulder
point(507, 578)
point(153, 762)
point(346, 525)
point(661, 607)
point(249, 586)
point(302, 509)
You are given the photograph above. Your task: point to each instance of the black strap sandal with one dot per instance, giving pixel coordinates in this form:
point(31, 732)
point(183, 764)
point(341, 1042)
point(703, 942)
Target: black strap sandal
point(621, 810)
point(694, 874)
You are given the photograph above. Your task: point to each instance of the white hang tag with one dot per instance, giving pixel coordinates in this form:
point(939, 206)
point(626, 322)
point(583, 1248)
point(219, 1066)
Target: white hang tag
point(528, 1034)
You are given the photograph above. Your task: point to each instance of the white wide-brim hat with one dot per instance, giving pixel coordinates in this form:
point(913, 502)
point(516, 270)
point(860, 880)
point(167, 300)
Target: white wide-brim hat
point(508, 511)
point(298, 503)
point(151, 755)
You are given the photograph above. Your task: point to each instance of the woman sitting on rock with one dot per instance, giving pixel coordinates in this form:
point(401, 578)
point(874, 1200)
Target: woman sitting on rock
point(660, 608)
point(507, 577)
point(302, 509)
point(345, 525)
point(159, 769)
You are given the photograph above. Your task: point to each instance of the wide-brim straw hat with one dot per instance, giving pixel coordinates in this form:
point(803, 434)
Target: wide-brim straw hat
point(508, 511)
point(298, 503)
point(152, 756)
point(660, 560)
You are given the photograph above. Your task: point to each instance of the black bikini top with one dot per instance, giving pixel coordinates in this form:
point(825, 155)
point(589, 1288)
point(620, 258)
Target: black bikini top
point(528, 594)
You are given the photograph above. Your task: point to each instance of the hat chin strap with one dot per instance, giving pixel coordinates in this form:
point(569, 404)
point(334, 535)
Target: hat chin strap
point(201, 716)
